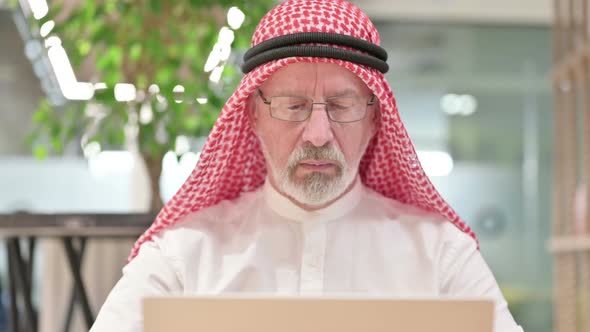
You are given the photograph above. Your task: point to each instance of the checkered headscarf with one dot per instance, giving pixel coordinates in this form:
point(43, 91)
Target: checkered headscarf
point(232, 162)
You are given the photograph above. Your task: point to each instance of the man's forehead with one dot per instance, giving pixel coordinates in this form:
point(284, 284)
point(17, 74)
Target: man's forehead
point(308, 77)
point(305, 91)
point(304, 68)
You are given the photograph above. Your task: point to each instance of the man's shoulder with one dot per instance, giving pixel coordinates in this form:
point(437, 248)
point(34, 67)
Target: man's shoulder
point(225, 212)
point(212, 223)
point(411, 219)
point(396, 209)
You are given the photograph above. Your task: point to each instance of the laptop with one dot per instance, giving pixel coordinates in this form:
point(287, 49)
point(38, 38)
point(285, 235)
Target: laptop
point(306, 314)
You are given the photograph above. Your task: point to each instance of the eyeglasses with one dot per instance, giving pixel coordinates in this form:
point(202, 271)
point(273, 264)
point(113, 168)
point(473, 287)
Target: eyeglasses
point(343, 109)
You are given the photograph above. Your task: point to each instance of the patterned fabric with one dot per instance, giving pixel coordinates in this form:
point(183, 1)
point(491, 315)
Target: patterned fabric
point(232, 161)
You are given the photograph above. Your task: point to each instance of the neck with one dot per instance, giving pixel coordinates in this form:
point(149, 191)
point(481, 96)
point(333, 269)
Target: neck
point(311, 207)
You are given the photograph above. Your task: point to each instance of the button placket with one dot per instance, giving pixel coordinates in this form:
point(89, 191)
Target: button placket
point(312, 265)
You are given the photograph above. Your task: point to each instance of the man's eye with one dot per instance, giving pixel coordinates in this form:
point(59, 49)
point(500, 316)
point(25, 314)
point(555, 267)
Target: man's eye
point(296, 107)
point(340, 106)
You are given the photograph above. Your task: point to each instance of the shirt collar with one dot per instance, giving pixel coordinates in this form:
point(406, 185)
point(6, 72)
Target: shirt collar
point(287, 209)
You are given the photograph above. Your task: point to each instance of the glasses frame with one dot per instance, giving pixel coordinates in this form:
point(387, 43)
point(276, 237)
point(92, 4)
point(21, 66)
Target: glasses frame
point(266, 101)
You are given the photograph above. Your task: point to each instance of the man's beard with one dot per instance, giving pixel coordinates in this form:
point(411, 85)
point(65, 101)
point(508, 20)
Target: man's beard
point(314, 188)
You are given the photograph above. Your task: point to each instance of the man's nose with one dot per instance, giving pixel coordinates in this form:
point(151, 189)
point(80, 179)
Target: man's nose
point(318, 128)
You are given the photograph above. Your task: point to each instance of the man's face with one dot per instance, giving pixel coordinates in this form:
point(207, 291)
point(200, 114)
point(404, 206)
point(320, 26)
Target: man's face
point(314, 161)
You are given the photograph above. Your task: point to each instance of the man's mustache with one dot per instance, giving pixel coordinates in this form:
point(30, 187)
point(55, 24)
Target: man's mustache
point(326, 152)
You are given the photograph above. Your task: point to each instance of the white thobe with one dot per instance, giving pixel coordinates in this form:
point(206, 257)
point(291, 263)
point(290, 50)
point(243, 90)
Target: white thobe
point(363, 244)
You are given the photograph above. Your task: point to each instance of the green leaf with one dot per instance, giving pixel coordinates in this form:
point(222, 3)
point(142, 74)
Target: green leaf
point(31, 138)
point(135, 51)
point(123, 7)
point(116, 55)
point(106, 95)
point(141, 82)
point(55, 9)
point(155, 6)
point(174, 51)
point(191, 122)
point(103, 63)
point(89, 10)
point(57, 145)
point(191, 50)
point(164, 75)
point(40, 116)
point(100, 34)
point(229, 71)
point(113, 77)
point(83, 47)
point(40, 152)
point(111, 6)
point(178, 9)
point(115, 137)
point(110, 60)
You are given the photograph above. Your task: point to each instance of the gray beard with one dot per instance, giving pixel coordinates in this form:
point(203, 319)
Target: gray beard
point(315, 188)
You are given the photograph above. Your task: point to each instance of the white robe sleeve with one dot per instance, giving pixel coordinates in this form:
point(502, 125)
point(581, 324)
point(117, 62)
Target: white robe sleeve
point(150, 273)
point(465, 273)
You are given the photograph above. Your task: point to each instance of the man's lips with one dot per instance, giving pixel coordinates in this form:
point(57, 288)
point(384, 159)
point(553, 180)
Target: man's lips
point(317, 165)
point(314, 162)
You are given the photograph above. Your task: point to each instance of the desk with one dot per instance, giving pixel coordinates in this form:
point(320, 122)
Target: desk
point(73, 230)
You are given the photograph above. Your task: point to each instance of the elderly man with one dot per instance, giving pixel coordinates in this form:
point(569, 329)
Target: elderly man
point(308, 184)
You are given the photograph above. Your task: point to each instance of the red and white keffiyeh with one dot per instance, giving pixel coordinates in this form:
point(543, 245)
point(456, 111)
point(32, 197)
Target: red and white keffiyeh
point(232, 162)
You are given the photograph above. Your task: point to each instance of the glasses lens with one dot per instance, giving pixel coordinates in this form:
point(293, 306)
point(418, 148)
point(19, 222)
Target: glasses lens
point(290, 108)
point(346, 109)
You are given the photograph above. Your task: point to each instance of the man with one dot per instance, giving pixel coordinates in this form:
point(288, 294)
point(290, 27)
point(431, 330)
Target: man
point(308, 184)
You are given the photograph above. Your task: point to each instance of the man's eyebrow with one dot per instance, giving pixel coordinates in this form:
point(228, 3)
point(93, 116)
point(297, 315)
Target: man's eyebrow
point(337, 93)
point(287, 93)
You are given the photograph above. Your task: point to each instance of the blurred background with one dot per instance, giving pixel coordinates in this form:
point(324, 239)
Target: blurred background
point(94, 95)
